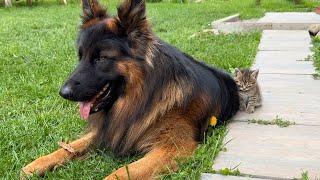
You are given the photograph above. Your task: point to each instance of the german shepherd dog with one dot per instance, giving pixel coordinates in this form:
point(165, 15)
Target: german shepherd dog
point(138, 94)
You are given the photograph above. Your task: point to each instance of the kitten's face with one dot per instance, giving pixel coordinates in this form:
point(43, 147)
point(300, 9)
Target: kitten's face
point(246, 79)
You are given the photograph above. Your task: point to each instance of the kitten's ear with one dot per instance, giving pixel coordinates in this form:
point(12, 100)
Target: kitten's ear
point(255, 73)
point(237, 72)
point(92, 10)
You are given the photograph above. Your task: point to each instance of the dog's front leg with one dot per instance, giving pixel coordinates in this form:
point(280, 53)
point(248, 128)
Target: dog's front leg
point(59, 157)
point(158, 160)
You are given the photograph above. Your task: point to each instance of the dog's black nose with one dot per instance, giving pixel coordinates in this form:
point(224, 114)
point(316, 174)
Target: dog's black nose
point(66, 91)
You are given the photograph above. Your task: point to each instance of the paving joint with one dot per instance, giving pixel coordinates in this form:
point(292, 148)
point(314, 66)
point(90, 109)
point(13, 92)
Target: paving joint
point(296, 124)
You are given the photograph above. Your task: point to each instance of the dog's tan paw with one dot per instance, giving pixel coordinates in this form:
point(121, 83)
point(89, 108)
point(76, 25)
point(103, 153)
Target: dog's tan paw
point(25, 174)
point(38, 166)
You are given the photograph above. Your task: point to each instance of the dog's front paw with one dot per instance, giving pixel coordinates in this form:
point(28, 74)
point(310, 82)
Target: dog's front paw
point(25, 174)
point(38, 166)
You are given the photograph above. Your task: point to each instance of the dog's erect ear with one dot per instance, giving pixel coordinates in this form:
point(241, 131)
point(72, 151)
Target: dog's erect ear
point(92, 10)
point(132, 16)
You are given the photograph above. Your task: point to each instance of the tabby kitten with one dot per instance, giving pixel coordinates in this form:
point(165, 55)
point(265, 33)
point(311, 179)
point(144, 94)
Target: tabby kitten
point(249, 91)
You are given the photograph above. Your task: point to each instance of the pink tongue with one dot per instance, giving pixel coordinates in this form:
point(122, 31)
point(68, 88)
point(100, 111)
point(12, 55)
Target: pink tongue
point(85, 109)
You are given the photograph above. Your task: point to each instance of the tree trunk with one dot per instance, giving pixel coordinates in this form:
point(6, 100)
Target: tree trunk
point(29, 2)
point(8, 3)
point(258, 2)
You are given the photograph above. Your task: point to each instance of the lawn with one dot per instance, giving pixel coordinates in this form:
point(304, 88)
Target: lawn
point(37, 52)
point(316, 50)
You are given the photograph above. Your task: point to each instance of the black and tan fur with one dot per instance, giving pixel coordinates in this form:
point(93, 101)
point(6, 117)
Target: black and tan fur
point(161, 101)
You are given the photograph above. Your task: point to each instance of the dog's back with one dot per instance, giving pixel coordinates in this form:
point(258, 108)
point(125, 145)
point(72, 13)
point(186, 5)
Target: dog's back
point(231, 96)
point(220, 84)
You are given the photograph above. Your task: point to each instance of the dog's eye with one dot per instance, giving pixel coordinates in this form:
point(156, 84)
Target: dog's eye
point(102, 58)
point(105, 58)
point(98, 60)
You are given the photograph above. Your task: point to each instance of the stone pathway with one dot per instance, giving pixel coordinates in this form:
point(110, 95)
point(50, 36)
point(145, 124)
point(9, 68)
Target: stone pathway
point(271, 21)
point(291, 20)
point(290, 94)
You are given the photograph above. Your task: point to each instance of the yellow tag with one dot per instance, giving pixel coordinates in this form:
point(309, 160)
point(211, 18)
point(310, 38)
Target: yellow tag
point(213, 121)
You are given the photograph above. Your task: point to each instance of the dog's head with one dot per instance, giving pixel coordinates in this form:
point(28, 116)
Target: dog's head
point(112, 51)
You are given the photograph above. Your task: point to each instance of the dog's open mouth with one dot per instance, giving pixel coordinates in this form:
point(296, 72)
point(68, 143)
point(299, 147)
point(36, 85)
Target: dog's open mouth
point(100, 101)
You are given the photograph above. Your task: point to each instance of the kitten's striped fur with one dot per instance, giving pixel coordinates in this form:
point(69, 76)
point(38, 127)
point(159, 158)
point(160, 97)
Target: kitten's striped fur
point(249, 91)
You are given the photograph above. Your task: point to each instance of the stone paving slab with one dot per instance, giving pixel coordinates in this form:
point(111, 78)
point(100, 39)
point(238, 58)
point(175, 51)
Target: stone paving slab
point(294, 84)
point(207, 176)
point(290, 97)
point(283, 46)
point(290, 17)
point(285, 37)
point(289, 112)
point(290, 20)
point(278, 56)
point(271, 21)
point(242, 26)
point(295, 68)
point(289, 33)
point(298, 35)
point(270, 151)
point(284, 62)
point(291, 26)
point(284, 40)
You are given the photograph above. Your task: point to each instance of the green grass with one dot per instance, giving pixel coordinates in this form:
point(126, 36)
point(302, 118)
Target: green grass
point(37, 52)
point(277, 121)
point(305, 176)
point(316, 58)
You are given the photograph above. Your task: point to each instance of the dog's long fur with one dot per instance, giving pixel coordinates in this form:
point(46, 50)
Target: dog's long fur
point(165, 100)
